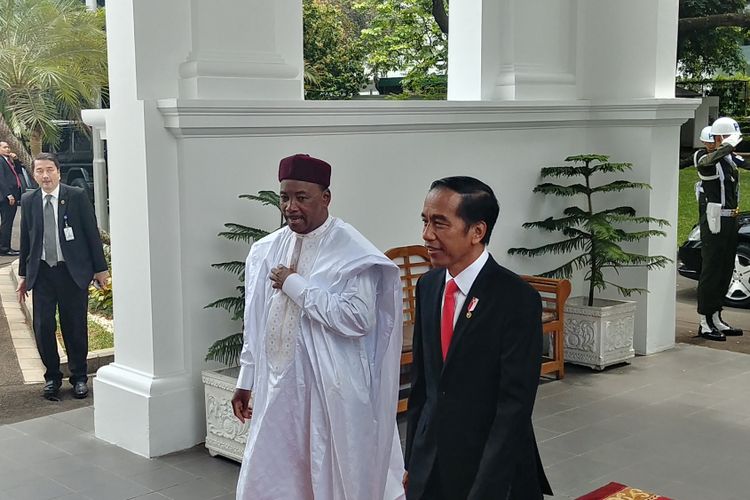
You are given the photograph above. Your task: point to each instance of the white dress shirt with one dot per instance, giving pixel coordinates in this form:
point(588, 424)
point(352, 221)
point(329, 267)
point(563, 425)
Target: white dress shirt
point(55, 200)
point(464, 281)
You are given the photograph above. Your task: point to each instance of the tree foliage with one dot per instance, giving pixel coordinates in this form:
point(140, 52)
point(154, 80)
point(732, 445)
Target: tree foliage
point(53, 61)
point(595, 235)
point(403, 36)
point(705, 47)
point(333, 54)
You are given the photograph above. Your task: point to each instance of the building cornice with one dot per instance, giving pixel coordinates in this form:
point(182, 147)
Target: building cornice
point(215, 118)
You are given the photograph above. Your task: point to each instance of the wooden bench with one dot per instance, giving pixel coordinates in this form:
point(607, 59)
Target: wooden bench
point(413, 261)
point(554, 293)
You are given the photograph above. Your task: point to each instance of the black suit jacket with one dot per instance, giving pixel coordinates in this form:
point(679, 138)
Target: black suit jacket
point(83, 254)
point(8, 182)
point(473, 413)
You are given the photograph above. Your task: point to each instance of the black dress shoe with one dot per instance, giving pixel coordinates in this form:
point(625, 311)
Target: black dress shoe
point(80, 390)
point(712, 334)
point(733, 332)
point(11, 252)
point(52, 391)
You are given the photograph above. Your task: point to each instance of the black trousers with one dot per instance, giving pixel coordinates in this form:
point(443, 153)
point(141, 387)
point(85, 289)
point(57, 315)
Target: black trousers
point(7, 214)
point(717, 255)
point(54, 289)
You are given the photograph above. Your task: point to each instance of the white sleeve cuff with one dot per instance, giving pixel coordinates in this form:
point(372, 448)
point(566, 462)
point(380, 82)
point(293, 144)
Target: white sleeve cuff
point(245, 380)
point(294, 286)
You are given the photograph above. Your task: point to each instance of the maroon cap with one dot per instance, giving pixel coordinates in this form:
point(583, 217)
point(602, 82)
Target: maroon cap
point(302, 167)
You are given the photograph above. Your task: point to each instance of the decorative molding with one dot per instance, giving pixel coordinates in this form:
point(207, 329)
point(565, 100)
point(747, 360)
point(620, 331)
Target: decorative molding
point(246, 118)
point(225, 435)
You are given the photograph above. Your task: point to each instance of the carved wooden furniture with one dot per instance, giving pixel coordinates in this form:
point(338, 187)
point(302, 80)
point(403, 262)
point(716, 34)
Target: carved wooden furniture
point(554, 293)
point(413, 262)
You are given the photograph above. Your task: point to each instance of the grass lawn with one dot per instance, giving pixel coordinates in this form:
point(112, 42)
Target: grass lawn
point(99, 337)
point(687, 213)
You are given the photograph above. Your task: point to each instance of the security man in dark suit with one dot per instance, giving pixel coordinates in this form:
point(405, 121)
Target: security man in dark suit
point(718, 197)
point(477, 355)
point(10, 195)
point(61, 252)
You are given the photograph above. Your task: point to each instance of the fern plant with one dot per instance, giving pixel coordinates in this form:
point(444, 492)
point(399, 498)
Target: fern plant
point(595, 233)
point(227, 350)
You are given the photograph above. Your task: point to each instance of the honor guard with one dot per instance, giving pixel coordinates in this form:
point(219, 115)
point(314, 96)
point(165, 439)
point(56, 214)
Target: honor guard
point(718, 197)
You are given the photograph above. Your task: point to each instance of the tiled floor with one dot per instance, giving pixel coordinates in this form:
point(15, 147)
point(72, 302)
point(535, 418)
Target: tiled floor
point(676, 423)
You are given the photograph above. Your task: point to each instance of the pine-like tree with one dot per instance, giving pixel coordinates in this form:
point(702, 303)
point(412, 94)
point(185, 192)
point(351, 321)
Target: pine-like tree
point(594, 233)
point(228, 349)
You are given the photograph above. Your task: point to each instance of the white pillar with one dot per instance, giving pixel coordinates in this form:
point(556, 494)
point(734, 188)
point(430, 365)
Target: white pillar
point(150, 400)
point(627, 49)
point(240, 50)
point(512, 50)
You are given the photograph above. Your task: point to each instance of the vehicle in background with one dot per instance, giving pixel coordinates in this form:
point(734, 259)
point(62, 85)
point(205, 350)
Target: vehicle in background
point(75, 155)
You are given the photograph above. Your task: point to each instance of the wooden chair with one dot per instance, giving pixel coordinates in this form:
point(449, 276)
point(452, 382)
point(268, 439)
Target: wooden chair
point(554, 293)
point(413, 261)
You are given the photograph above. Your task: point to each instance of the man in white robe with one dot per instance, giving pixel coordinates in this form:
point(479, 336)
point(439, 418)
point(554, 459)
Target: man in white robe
point(321, 353)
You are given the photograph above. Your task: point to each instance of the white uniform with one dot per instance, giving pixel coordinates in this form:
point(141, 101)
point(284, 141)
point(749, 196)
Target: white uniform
point(322, 360)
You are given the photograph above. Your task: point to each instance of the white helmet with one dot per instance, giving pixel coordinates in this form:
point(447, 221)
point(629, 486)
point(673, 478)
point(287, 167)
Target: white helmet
point(725, 126)
point(706, 135)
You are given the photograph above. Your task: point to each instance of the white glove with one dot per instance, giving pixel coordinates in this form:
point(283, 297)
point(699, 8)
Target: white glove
point(733, 139)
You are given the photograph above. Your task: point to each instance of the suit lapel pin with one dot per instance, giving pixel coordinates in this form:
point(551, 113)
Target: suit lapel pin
point(62, 202)
point(472, 306)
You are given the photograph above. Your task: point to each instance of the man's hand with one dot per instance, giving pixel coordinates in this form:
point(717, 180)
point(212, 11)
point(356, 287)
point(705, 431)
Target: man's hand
point(102, 279)
point(13, 156)
point(278, 276)
point(11, 200)
point(21, 290)
point(405, 480)
point(241, 405)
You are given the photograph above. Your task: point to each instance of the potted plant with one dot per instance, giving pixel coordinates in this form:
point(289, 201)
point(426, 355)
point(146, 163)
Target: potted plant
point(225, 435)
point(598, 331)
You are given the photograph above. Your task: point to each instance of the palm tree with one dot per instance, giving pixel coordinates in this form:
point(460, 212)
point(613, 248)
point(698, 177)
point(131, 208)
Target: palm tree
point(53, 61)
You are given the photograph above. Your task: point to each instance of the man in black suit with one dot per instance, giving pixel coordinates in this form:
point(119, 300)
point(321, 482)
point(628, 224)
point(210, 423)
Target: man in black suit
point(61, 252)
point(10, 195)
point(477, 355)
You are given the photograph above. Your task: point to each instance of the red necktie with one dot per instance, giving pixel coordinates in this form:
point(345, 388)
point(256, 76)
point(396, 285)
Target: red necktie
point(449, 309)
point(13, 169)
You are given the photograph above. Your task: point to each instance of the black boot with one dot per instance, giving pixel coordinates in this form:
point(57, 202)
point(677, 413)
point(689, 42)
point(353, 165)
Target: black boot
point(708, 330)
point(724, 327)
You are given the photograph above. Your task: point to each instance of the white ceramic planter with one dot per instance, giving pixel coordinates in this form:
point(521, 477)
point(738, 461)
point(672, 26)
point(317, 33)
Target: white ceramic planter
point(225, 435)
point(600, 335)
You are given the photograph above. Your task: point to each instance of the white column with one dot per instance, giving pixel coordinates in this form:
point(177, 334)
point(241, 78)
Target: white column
point(480, 47)
point(146, 401)
point(627, 49)
point(248, 49)
point(512, 50)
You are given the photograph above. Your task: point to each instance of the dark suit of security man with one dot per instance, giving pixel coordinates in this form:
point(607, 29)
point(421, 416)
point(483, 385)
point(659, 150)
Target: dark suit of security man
point(61, 252)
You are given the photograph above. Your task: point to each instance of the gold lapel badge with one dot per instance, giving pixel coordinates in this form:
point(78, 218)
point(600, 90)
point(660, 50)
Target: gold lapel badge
point(472, 306)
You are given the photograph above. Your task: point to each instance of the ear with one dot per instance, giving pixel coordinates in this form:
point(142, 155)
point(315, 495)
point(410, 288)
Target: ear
point(478, 231)
point(327, 196)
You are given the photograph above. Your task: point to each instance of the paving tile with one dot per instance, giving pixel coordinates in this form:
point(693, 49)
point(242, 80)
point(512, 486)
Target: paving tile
point(583, 440)
point(112, 487)
point(30, 451)
point(82, 418)
point(162, 478)
point(8, 432)
point(39, 489)
point(198, 489)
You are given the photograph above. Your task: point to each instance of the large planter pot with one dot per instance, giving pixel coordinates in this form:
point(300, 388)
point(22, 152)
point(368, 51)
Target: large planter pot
point(600, 335)
point(225, 435)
